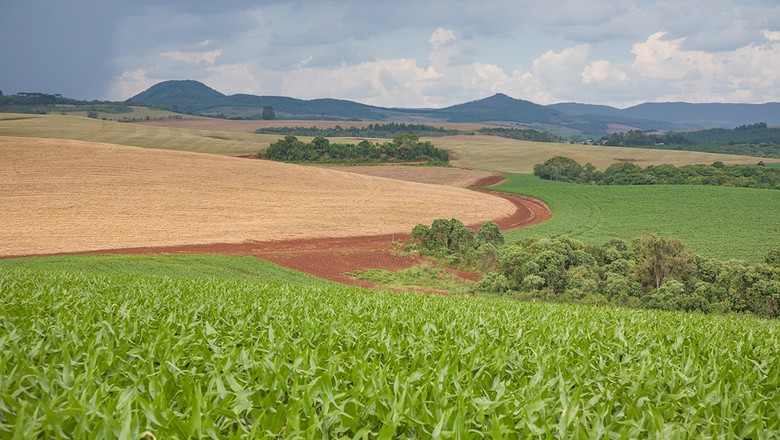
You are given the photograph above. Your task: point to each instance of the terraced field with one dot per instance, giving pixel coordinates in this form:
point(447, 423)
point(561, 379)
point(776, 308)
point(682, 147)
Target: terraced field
point(721, 222)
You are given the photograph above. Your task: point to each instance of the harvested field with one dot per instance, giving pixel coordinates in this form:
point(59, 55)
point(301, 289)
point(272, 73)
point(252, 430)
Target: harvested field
point(69, 196)
point(330, 258)
point(459, 177)
point(512, 156)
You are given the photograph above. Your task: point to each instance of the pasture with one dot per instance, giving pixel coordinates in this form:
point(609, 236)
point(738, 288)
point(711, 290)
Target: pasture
point(69, 196)
point(721, 222)
point(127, 355)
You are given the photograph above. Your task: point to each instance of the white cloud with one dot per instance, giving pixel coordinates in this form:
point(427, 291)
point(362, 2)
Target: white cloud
point(602, 70)
point(441, 37)
point(209, 57)
point(129, 84)
point(772, 35)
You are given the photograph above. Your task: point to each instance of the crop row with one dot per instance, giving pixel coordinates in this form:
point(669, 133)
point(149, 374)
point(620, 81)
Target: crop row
point(127, 355)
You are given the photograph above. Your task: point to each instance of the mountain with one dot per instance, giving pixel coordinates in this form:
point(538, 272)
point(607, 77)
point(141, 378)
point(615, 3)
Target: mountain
point(564, 119)
point(499, 108)
point(684, 114)
point(708, 115)
point(574, 108)
point(185, 95)
point(195, 97)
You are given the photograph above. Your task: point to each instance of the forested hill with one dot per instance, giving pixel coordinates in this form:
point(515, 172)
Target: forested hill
point(560, 119)
point(713, 115)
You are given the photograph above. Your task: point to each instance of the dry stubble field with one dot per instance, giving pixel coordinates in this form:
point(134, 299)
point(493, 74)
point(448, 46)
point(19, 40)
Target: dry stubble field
point(233, 138)
point(67, 196)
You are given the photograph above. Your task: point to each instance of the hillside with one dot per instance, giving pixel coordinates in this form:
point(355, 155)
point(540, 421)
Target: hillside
point(710, 115)
point(59, 195)
point(563, 119)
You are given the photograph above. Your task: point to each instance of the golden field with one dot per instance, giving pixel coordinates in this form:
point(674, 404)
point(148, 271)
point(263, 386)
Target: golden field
point(68, 195)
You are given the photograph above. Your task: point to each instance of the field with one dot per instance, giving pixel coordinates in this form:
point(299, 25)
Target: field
point(511, 156)
point(449, 176)
point(112, 354)
point(234, 138)
point(67, 196)
point(720, 222)
point(251, 126)
point(135, 112)
point(184, 345)
point(137, 135)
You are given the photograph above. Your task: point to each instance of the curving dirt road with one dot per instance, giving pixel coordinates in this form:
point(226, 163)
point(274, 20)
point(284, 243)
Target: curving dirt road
point(330, 258)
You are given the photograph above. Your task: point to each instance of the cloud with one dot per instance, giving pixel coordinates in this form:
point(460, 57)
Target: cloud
point(208, 57)
point(602, 70)
point(129, 84)
point(437, 54)
point(441, 37)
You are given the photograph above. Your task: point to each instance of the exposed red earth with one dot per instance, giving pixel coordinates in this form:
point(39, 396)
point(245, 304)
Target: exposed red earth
point(330, 258)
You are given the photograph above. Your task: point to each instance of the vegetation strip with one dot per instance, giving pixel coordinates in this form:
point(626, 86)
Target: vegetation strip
point(715, 222)
point(564, 169)
point(108, 355)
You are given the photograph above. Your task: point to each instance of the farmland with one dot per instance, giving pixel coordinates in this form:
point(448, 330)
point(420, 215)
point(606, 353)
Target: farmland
point(486, 153)
point(720, 222)
point(519, 157)
point(69, 196)
point(146, 136)
point(181, 346)
point(128, 355)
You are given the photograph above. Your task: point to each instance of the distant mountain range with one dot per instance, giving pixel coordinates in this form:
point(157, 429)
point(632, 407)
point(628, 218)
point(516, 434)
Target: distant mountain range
point(563, 119)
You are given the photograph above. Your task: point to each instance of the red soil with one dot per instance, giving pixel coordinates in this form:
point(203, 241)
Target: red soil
point(330, 258)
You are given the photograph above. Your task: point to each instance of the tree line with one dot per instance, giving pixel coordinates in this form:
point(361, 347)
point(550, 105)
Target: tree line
point(625, 173)
point(403, 148)
point(528, 134)
point(389, 130)
point(652, 271)
point(749, 139)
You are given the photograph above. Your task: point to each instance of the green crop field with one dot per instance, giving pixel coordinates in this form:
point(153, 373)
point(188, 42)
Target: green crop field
point(720, 222)
point(147, 136)
point(114, 353)
point(178, 266)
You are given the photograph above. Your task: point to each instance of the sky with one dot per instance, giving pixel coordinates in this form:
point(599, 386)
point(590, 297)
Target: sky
point(401, 53)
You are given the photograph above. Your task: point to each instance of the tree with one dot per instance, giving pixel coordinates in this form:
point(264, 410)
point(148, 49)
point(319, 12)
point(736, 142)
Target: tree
point(659, 258)
point(489, 233)
point(268, 113)
point(558, 168)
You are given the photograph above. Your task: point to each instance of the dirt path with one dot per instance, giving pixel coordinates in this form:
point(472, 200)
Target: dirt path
point(330, 258)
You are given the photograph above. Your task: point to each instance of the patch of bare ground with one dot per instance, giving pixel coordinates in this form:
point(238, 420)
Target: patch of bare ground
point(69, 196)
point(458, 177)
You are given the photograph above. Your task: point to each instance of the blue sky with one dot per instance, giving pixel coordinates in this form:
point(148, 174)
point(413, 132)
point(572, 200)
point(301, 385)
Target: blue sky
point(402, 53)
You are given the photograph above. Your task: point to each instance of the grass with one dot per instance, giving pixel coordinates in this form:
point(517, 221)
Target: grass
point(422, 277)
point(491, 153)
point(135, 356)
point(720, 222)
